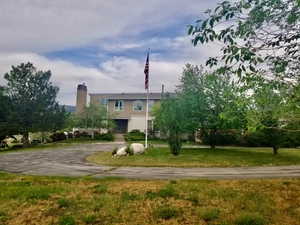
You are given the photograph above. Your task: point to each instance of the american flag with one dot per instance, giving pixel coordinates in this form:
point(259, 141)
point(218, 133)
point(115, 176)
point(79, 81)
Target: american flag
point(146, 71)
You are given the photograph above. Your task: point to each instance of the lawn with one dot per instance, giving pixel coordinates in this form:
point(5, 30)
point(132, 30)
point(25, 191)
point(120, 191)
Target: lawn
point(203, 157)
point(67, 201)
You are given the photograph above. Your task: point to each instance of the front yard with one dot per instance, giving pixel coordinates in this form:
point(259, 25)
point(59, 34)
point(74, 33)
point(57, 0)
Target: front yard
point(203, 157)
point(68, 201)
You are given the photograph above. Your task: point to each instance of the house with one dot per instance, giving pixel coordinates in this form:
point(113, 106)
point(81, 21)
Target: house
point(127, 109)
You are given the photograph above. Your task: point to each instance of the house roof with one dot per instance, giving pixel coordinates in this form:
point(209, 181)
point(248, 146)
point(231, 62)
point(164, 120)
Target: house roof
point(127, 96)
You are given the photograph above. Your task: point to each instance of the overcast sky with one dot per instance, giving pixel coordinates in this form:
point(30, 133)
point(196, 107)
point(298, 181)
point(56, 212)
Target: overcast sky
point(101, 42)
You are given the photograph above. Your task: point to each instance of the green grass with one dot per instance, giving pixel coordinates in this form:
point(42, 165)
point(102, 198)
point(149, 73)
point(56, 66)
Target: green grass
point(203, 157)
point(67, 201)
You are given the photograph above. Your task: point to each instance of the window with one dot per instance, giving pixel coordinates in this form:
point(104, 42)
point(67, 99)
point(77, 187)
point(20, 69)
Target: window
point(138, 106)
point(103, 101)
point(119, 105)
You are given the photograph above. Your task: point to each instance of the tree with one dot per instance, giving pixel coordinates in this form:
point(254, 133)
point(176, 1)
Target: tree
point(93, 116)
point(33, 98)
point(266, 113)
point(259, 37)
point(171, 121)
point(5, 108)
point(212, 102)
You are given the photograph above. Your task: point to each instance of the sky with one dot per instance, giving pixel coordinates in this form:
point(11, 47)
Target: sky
point(102, 43)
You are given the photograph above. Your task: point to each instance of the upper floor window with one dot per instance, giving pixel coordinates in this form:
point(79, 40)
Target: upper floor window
point(119, 105)
point(138, 106)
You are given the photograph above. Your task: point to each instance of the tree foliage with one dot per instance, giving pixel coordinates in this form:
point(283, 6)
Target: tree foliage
point(211, 102)
point(33, 100)
point(170, 118)
point(93, 116)
point(259, 36)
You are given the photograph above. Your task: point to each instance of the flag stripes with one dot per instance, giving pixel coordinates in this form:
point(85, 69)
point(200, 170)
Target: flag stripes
point(146, 71)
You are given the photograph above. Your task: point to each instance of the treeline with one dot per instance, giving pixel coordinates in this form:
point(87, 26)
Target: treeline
point(253, 83)
point(222, 111)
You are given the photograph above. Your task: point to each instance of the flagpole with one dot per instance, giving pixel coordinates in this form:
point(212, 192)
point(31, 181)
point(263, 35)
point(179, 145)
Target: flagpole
point(147, 109)
point(146, 71)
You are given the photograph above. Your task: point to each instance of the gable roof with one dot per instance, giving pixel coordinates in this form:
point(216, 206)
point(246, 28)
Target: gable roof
point(127, 96)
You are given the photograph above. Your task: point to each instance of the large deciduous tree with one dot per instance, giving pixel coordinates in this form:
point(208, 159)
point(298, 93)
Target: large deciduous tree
point(212, 102)
point(258, 36)
point(266, 113)
point(33, 98)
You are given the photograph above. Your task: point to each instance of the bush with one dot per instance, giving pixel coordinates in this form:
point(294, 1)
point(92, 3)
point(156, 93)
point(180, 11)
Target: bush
point(104, 137)
point(17, 146)
point(58, 137)
point(35, 142)
point(250, 219)
point(134, 135)
point(166, 213)
point(78, 134)
point(222, 137)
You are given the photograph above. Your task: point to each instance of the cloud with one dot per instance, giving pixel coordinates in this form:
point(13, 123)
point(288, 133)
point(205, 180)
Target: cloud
point(119, 74)
point(109, 31)
point(42, 26)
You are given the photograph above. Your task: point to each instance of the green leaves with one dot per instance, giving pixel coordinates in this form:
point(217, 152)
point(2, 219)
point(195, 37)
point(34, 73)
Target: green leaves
point(252, 33)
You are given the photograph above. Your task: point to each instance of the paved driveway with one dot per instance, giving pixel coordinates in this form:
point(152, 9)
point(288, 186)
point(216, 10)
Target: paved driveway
point(70, 161)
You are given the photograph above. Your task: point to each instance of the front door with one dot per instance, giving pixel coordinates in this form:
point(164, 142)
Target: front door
point(121, 126)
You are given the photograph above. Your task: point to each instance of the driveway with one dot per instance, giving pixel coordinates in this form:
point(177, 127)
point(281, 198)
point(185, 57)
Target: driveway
point(70, 161)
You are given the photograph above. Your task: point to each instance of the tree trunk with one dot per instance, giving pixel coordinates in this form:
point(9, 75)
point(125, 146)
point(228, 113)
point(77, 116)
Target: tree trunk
point(275, 150)
point(212, 137)
point(25, 139)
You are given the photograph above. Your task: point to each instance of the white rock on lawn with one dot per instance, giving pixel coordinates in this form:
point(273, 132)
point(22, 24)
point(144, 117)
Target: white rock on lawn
point(121, 151)
point(137, 148)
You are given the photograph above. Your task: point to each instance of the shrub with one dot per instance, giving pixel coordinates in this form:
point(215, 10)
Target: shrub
point(66, 220)
point(210, 214)
point(222, 137)
point(17, 146)
point(134, 135)
point(58, 137)
point(104, 137)
point(35, 142)
point(250, 219)
point(166, 213)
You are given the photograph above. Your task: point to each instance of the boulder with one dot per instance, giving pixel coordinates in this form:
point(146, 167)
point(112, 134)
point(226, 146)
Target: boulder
point(137, 148)
point(122, 151)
